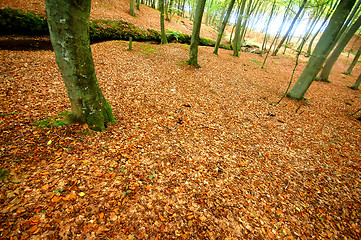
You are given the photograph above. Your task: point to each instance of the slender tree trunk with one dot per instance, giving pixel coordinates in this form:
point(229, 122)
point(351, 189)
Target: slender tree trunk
point(138, 4)
point(236, 41)
point(264, 44)
point(193, 51)
point(321, 50)
point(132, 8)
point(325, 73)
point(68, 22)
point(290, 28)
point(354, 61)
point(356, 85)
point(224, 24)
point(163, 36)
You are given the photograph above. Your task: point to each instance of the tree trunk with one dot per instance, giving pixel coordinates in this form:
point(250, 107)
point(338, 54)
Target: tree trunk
point(325, 73)
point(354, 61)
point(132, 8)
point(264, 44)
point(224, 24)
point(138, 4)
point(357, 83)
point(290, 28)
point(163, 36)
point(236, 41)
point(193, 51)
point(321, 50)
point(68, 22)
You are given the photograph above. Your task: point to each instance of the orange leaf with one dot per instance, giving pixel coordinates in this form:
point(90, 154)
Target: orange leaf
point(33, 229)
point(55, 199)
point(101, 215)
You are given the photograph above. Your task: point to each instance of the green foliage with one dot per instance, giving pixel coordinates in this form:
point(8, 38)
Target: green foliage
point(147, 50)
point(177, 36)
point(19, 22)
point(206, 42)
point(3, 173)
point(49, 123)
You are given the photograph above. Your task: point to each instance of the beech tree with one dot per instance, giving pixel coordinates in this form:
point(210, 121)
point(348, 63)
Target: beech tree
point(322, 49)
point(354, 61)
point(163, 36)
point(331, 60)
point(68, 22)
point(193, 51)
point(132, 8)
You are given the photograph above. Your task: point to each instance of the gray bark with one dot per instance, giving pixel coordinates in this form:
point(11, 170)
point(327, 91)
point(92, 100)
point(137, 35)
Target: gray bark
point(68, 23)
point(354, 61)
point(357, 83)
point(193, 51)
point(321, 50)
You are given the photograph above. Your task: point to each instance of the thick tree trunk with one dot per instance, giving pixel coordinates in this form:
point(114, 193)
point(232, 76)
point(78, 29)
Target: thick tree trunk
point(163, 36)
point(325, 73)
point(68, 22)
point(321, 50)
point(138, 4)
point(354, 61)
point(224, 24)
point(193, 51)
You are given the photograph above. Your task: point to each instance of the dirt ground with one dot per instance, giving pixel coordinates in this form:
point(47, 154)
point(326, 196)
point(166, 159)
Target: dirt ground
point(196, 153)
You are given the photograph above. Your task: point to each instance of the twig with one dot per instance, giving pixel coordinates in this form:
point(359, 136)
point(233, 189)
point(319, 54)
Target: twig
point(354, 113)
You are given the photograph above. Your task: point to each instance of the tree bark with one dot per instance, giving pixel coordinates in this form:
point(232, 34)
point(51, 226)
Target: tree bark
point(163, 36)
point(132, 8)
point(325, 73)
point(193, 51)
point(224, 24)
point(354, 61)
point(321, 50)
point(236, 41)
point(357, 83)
point(68, 22)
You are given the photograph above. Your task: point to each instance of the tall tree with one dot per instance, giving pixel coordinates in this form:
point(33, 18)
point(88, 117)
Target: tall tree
point(322, 49)
point(132, 8)
point(163, 36)
point(325, 73)
point(68, 22)
point(236, 41)
point(197, 23)
point(290, 27)
point(224, 24)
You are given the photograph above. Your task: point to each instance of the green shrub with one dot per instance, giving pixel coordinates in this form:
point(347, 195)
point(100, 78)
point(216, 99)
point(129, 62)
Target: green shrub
point(19, 22)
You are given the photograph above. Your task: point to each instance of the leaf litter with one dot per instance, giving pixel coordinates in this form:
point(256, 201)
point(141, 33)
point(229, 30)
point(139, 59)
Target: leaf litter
point(196, 153)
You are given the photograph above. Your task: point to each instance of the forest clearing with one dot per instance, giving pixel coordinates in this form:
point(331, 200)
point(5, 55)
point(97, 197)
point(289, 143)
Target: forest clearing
point(196, 153)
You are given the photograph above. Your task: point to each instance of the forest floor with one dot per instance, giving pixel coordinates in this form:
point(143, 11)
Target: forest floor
point(196, 153)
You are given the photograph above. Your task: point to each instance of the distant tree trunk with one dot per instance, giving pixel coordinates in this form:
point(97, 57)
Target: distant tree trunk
point(166, 11)
point(356, 85)
point(224, 24)
point(68, 22)
point(321, 50)
point(264, 44)
point(236, 41)
point(132, 8)
point(325, 73)
point(138, 4)
point(163, 36)
point(193, 51)
point(290, 28)
point(354, 61)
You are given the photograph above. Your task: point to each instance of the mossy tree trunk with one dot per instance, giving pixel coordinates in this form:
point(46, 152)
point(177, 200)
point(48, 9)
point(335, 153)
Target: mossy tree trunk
point(132, 8)
point(331, 60)
point(236, 40)
point(197, 23)
point(163, 36)
point(68, 22)
point(322, 49)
